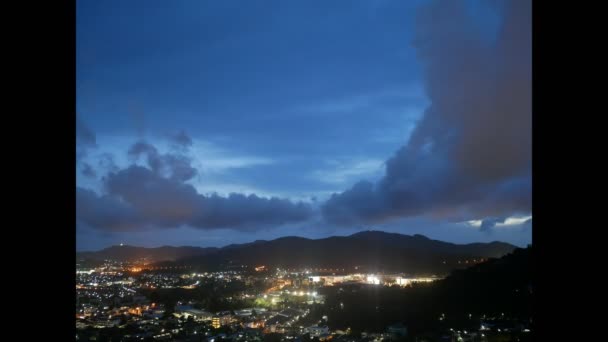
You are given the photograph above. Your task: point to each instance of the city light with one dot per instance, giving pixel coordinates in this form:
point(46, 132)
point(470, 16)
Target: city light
point(288, 298)
point(373, 280)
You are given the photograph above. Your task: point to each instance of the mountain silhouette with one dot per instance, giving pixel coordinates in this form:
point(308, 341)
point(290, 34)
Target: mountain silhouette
point(370, 251)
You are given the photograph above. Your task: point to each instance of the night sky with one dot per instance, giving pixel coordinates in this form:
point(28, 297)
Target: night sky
point(207, 123)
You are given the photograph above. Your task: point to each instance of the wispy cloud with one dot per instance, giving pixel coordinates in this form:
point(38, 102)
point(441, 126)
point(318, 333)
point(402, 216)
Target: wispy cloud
point(514, 221)
point(225, 189)
point(340, 171)
point(207, 156)
point(475, 223)
point(214, 159)
point(356, 102)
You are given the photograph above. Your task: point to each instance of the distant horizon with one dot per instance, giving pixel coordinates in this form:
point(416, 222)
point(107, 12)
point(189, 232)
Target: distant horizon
point(126, 244)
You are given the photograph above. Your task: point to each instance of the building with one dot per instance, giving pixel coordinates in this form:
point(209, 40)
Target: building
point(243, 312)
point(317, 331)
point(253, 323)
point(402, 281)
point(154, 313)
point(372, 279)
point(276, 323)
point(199, 315)
point(85, 271)
point(221, 320)
point(325, 337)
point(331, 280)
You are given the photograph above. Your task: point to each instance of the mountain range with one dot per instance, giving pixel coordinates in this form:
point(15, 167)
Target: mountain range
point(133, 253)
point(367, 250)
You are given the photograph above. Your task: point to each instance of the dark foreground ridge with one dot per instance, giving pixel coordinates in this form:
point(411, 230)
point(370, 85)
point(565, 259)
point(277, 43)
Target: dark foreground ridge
point(497, 293)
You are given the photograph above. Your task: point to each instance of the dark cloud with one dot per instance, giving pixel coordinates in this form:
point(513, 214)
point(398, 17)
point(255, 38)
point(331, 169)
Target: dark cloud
point(175, 166)
point(106, 161)
point(470, 154)
point(181, 140)
point(105, 212)
point(489, 223)
point(142, 148)
point(88, 171)
point(157, 196)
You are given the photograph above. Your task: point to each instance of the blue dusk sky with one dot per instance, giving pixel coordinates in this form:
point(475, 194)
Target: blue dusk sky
point(207, 123)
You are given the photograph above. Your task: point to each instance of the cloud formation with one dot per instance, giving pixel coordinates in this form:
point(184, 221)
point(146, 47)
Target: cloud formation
point(85, 139)
point(181, 140)
point(88, 170)
point(469, 156)
point(175, 166)
point(106, 162)
point(490, 223)
point(340, 170)
point(157, 195)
